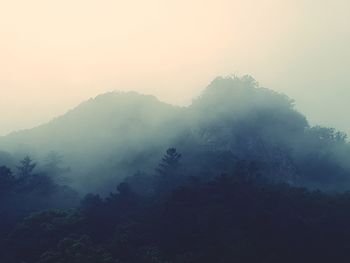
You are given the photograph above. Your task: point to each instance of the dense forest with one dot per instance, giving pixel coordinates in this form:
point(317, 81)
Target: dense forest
point(238, 176)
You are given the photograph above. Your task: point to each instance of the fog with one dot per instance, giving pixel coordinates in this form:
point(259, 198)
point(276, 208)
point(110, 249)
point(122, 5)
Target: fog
point(238, 175)
point(56, 54)
point(117, 134)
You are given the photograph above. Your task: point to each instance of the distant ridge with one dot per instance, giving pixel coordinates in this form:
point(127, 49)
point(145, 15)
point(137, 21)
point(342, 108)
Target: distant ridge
point(117, 134)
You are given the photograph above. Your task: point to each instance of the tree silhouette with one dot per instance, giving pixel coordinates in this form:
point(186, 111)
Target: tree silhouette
point(26, 167)
point(168, 178)
point(124, 189)
point(54, 167)
point(170, 162)
point(6, 179)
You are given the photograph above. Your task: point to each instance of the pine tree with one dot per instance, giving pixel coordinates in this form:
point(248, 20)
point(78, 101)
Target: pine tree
point(26, 167)
point(168, 172)
point(170, 162)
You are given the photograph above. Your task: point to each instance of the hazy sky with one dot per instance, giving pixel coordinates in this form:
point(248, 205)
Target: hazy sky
point(56, 53)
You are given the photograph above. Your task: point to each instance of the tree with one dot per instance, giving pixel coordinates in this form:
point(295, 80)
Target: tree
point(6, 179)
point(54, 167)
point(141, 183)
point(170, 162)
point(168, 172)
point(26, 167)
point(124, 189)
point(77, 249)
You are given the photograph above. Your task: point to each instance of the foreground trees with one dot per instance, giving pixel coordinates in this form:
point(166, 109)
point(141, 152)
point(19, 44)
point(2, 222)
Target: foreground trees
point(234, 217)
point(26, 167)
point(28, 192)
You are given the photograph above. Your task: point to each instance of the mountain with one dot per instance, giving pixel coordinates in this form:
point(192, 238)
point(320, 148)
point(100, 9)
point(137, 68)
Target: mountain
point(101, 132)
point(117, 134)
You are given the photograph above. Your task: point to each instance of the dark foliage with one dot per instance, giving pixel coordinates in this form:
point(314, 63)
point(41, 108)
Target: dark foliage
point(246, 188)
point(238, 217)
point(117, 134)
point(29, 192)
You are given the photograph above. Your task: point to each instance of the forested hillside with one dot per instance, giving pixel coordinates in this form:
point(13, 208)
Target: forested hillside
point(237, 176)
point(114, 135)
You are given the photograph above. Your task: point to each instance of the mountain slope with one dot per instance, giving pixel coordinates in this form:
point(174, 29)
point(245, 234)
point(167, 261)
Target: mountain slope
point(116, 134)
point(101, 132)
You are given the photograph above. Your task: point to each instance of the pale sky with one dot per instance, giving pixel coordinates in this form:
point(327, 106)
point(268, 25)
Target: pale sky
point(56, 53)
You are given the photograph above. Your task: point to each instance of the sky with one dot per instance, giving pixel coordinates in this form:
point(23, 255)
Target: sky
point(55, 54)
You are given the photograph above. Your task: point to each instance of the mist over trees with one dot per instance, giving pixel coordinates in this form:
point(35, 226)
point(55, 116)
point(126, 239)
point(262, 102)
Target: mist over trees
point(237, 176)
point(114, 135)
